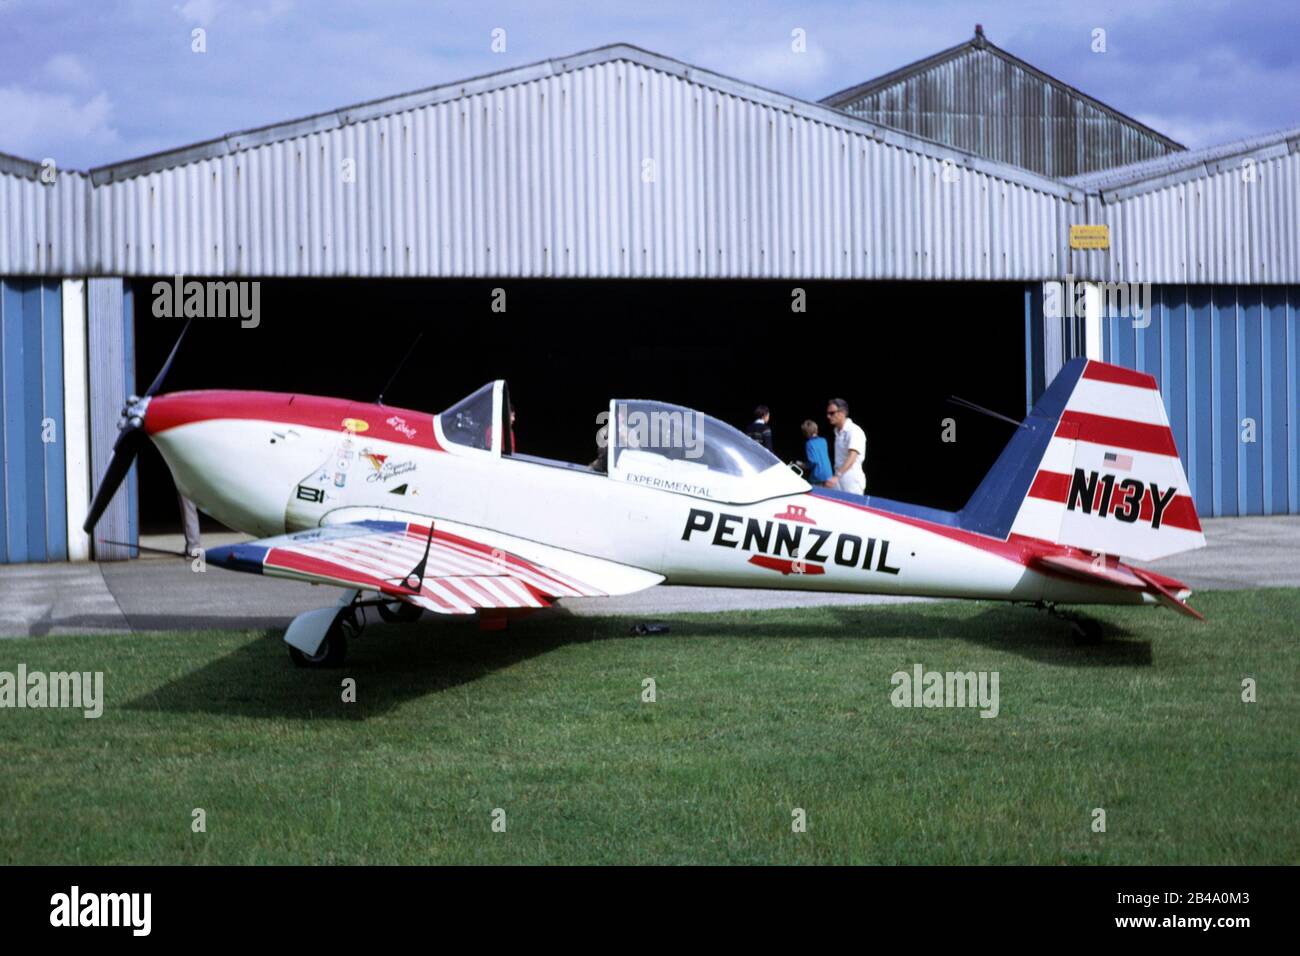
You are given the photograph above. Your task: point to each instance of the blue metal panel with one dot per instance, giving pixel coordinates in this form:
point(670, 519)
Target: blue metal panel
point(1293, 398)
point(1227, 359)
point(1273, 427)
point(1147, 340)
point(1227, 436)
point(33, 505)
point(111, 379)
point(33, 411)
point(15, 449)
point(1173, 363)
point(1250, 464)
point(1199, 450)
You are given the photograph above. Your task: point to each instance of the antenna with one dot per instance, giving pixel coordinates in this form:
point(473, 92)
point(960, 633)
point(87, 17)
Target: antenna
point(400, 365)
point(964, 403)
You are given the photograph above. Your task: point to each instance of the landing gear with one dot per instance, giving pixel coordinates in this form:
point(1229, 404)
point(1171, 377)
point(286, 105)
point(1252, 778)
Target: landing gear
point(333, 650)
point(399, 612)
point(1086, 631)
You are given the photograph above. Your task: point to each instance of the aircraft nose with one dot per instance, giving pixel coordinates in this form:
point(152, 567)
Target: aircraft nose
point(168, 411)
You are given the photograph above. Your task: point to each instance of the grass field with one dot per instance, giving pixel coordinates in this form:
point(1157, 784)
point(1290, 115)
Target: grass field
point(757, 714)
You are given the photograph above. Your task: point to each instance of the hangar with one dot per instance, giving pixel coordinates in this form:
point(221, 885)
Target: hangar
point(618, 222)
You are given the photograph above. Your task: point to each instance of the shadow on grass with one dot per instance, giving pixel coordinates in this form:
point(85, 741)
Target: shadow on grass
point(393, 664)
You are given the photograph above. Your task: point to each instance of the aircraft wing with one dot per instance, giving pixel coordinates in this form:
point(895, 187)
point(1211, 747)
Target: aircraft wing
point(465, 572)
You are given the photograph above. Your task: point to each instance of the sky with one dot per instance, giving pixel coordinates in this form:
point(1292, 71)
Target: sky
point(90, 82)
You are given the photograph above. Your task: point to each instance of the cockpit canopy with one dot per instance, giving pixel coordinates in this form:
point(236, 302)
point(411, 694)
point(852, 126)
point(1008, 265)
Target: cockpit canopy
point(654, 444)
point(677, 449)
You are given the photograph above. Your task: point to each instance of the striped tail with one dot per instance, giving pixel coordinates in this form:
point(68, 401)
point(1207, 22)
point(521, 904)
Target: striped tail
point(1109, 479)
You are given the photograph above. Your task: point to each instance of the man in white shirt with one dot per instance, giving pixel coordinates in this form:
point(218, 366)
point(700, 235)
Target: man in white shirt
point(850, 449)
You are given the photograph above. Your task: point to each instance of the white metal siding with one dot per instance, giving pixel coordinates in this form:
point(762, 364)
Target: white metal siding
point(42, 227)
point(1204, 225)
point(544, 178)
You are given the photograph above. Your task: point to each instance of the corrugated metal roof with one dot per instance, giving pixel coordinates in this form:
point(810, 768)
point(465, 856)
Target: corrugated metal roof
point(978, 97)
point(1197, 162)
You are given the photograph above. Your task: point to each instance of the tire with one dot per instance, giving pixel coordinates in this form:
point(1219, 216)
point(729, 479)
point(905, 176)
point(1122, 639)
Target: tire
point(399, 612)
point(332, 652)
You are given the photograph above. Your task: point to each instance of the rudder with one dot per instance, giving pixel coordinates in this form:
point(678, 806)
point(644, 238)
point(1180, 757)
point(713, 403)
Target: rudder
point(1110, 479)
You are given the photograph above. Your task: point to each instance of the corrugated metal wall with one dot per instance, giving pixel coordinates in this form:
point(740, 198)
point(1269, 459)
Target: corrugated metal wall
point(111, 356)
point(548, 177)
point(42, 227)
point(985, 103)
point(32, 472)
point(1227, 359)
point(1227, 223)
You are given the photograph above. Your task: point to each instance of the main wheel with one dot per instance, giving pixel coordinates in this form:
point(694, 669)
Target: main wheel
point(399, 612)
point(333, 651)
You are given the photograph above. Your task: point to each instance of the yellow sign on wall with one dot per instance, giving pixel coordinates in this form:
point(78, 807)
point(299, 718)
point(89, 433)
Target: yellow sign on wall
point(1090, 237)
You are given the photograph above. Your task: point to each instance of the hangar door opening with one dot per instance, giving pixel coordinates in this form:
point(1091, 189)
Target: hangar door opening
point(894, 350)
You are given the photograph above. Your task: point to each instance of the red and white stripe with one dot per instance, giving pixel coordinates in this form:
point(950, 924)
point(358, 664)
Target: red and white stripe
point(1118, 411)
point(461, 576)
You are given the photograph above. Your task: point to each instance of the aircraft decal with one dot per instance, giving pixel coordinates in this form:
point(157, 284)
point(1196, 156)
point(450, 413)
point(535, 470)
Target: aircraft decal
point(771, 539)
point(399, 425)
point(1128, 500)
point(795, 513)
point(383, 468)
point(665, 484)
point(797, 566)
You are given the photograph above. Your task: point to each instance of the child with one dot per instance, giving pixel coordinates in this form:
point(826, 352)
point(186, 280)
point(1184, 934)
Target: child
point(814, 452)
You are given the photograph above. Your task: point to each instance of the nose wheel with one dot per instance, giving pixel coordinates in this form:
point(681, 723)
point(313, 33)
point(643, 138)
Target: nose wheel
point(333, 650)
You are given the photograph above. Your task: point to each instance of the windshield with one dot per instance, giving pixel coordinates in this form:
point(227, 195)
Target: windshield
point(469, 421)
point(644, 431)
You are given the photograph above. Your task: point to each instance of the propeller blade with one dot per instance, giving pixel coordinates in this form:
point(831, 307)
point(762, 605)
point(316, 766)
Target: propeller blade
point(129, 442)
point(167, 365)
point(125, 450)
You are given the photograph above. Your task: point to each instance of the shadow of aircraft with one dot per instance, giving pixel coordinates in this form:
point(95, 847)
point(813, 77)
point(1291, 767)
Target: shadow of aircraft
point(395, 663)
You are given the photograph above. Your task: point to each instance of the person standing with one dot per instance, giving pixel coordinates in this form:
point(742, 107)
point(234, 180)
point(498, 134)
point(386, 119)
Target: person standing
point(189, 525)
point(760, 430)
point(814, 453)
point(850, 449)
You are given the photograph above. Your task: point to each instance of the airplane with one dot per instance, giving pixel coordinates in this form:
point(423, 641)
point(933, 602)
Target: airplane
point(408, 511)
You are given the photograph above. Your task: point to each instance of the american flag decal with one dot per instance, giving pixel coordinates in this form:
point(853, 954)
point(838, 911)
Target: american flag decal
point(1119, 462)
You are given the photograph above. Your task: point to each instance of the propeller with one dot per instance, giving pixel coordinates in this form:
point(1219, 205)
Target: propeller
point(131, 438)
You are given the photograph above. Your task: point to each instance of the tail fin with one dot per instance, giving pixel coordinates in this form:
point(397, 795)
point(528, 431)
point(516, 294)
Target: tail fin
point(1094, 466)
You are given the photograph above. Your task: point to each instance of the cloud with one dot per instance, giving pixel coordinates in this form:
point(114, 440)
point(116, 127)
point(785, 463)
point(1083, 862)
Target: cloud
point(202, 12)
point(37, 124)
point(67, 70)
